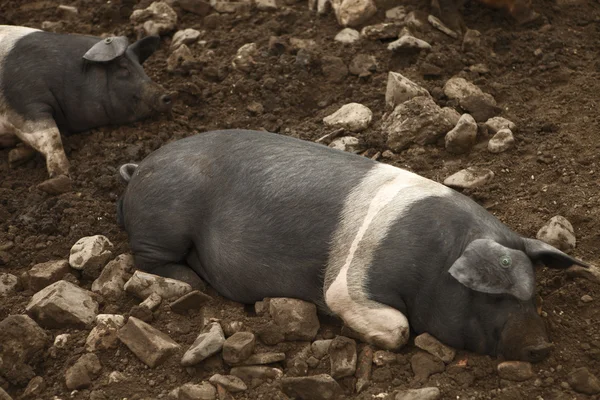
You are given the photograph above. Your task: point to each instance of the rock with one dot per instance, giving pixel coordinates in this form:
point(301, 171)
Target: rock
point(418, 120)
point(157, 19)
point(363, 65)
point(424, 365)
point(439, 25)
point(583, 381)
point(320, 348)
point(428, 393)
point(471, 40)
point(586, 298)
point(209, 342)
point(415, 21)
point(244, 58)
point(434, 347)
point(400, 89)
point(194, 300)
point(35, 388)
point(232, 7)
point(297, 319)
point(54, 186)
point(116, 377)
point(229, 382)
point(270, 334)
point(496, 123)
point(104, 335)
point(353, 12)
point(347, 35)
point(517, 371)
point(334, 69)
point(238, 347)
point(63, 304)
point(251, 372)
point(90, 254)
point(396, 14)
point(501, 141)
point(297, 367)
point(67, 11)
point(22, 343)
point(381, 31)
point(81, 374)
point(316, 387)
point(463, 136)
point(198, 7)
point(186, 36)
point(384, 357)
point(469, 178)
point(363, 368)
point(321, 6)
point(342, 356)
point(110, 284)
point(8, 284)
point(408, 42)
point(190, 391)
point(181, 60)
point(303, 44)
point(558, 232)
point(44, 274)
point(353, 117)
point(266, 5)
point(150, 345)
point(263, 358)
point(481, 106)
point(143, 284)
point(61, 341)
point(231, 327)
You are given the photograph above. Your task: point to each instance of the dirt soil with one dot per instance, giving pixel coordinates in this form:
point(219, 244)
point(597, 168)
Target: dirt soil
point(544, 76)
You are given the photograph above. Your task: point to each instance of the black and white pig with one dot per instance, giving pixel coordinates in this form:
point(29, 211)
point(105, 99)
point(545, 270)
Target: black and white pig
point(259, 215)
point(53, 82)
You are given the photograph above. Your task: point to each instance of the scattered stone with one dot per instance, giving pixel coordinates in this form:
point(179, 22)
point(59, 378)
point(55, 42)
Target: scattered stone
point(396, 14)
point(424, 365)
point(347, 35)
point(353, 117)
point(353, 12)
point(8, 284)
point(297, 367)
point(44, 274)
point(400, 89)
point(469, 178)
point(381, 31)
point(198, 7)
point(54, 186)
point(186, 36)
point(191, 391)
point(501, 141)
point(334, 69)
point(149, 344)
point(558, 232)
point(67, 11)
point(297, 319)
point(266, 5)
point(418, 120)
point(61, 341)
point(463, 136)
point(231, 7)
point(63, 304)
point(209, 342)
point(90, 254)
point(143, 284)
point(81, 374)
point(312, 362)
point(251, 372)
point(496, 123)
point(583, 381)
point(433, 346)
point(263, 358)
point(229, 382)
point(364, 366)
point(116, 377)
point(22, 343)
point(110, 284)
point(194, 300)
point(342, 356)
point(415, 21)
point(408, 42)
point(181, 60)
point(244, 58)
point(586, 298)
point(270, 334)
point(439, 25)
point(316, 387)
point(363, 65)
point(471, 40)
point(347, 143)
point(481, 106)
point(320, 348)
point(517, 371)
point(384, 357)
point(231, 327)
point(238, 347)
point(104, 336)
point(35, 388)
point(428, 393)
point(303, 44)
point(157, 19)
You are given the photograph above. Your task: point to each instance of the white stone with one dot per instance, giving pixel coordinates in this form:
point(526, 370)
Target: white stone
point(396, 14)
point(90, 254)
point(459, 88)
point(60, 341)
point(428, 393)
point(462, 137)
point(104, 334)
point(558, 232)
point(353, 12)
point(353, 117)
point(496, 123)
point(116, 319)
point(116, 377)
point(297, 319)
point(181, 60)
point(151, 302)
point(244, 58)
point(471, 98)
point(321, 6)
point(186, 36)
point(232, 383)
point(44, 274)
point(501, 141)
point(149, 344)
point(63, 304)
point(400, 89)
point(320, 348)
point(347, 35)
point(158, 19)
point(111, 281)
point(266, 5)
point(408, 42)
point(346, 143)
point(8, 284)
point(206, 344)
point(143, 284)
point(469, 178)
point(436, 23)
point(191, 391)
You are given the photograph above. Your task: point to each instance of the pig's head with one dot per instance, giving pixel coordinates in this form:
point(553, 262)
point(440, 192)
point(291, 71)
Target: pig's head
point(118, 65)
point(487, 300)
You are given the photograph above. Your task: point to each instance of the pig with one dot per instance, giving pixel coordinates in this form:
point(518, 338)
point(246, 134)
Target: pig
point(53, 82)
point(256, 214)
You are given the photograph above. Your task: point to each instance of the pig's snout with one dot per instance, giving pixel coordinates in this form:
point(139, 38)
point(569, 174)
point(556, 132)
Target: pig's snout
point(158, 98)
point(525, 338)
point(537, 353)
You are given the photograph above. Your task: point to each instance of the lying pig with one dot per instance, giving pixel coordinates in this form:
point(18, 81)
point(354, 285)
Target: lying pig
point(259, 215)
point(55, 82)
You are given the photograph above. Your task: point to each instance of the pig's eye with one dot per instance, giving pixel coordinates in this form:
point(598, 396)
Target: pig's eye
point(505, 261)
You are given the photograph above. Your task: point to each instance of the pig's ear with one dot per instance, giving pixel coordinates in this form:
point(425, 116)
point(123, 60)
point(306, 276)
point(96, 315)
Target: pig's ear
point(144, 47)
point(107, 50)
point(549, 255)
point(488, 267)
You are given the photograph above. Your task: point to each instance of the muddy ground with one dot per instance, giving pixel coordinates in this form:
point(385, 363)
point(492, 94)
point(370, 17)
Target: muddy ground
point(544, 76)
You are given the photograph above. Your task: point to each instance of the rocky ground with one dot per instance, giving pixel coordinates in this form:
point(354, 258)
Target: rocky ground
point(77, 322)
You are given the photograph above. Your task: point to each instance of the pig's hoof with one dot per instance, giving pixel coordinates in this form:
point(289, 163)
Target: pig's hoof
point(20, 155)
point(57, 185)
